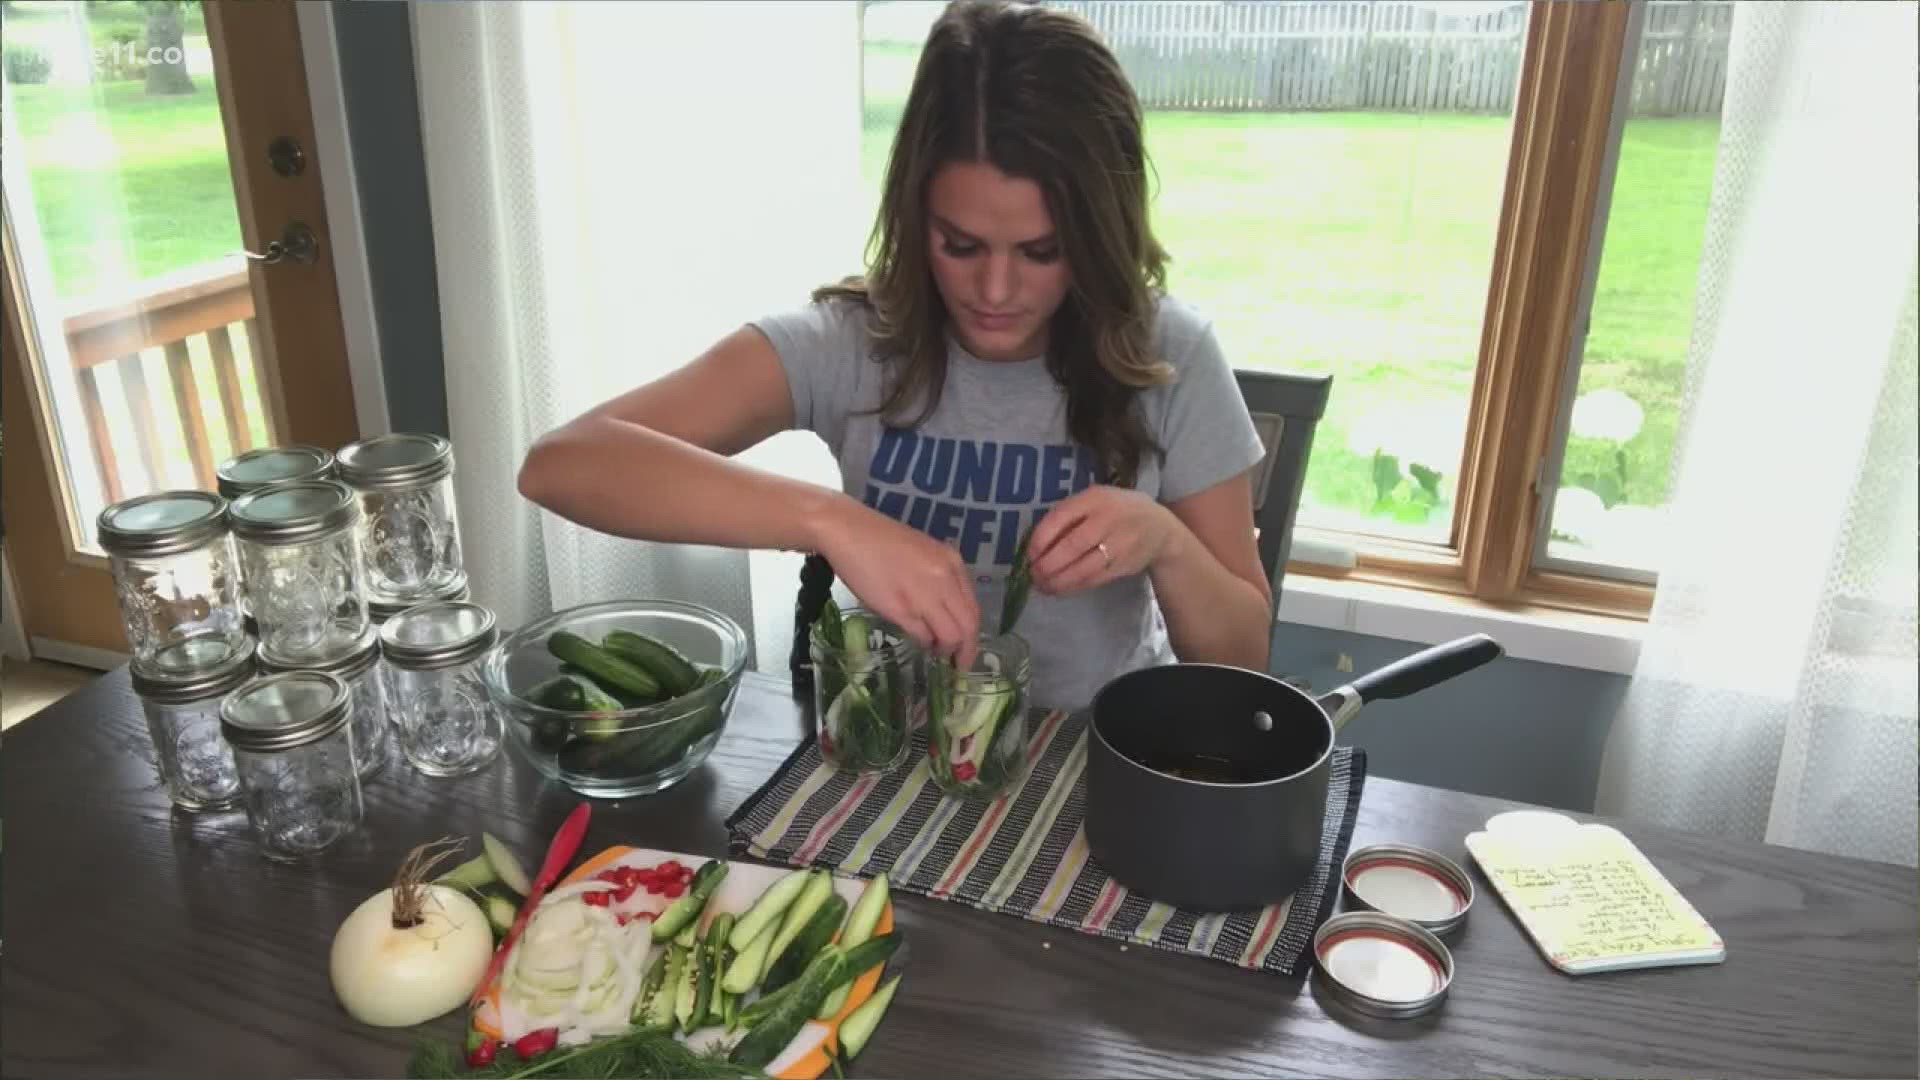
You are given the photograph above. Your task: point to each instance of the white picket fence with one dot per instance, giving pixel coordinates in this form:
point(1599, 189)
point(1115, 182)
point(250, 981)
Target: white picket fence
point(1286, 55)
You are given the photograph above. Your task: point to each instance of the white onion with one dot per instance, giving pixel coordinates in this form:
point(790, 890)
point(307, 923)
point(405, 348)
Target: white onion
point(390, 976)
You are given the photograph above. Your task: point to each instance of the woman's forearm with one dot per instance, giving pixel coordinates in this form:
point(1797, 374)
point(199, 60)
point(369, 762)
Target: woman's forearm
point(1213, 615)
point(627, 480)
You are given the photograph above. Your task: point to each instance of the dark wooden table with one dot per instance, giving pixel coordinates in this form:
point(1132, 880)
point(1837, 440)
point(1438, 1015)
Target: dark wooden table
point(143, 942)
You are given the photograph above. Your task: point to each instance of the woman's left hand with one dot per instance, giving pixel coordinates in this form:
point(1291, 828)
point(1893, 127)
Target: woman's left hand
point(1099, 535)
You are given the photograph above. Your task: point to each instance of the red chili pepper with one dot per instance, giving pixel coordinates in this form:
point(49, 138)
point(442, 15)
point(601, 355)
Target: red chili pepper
point(566, 842)
point(535, 1043)
point(481, 1055)
point(674, 890)
point(964, 771)
point(620, 894)
point(597, 899)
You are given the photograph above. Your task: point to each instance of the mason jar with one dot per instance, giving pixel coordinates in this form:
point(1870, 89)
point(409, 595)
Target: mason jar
point(292, 738)
point(442, 719)
point(867, 691)
point(381, 611)
point(271, 465)
point(409, 534)
point(360, 670)
point(300, 563)
point(256, 469)
point(977, 719)
point(175, 579)
point(183, 718)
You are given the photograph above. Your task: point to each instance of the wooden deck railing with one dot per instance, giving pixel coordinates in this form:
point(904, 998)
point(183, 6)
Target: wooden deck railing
point(107, 340)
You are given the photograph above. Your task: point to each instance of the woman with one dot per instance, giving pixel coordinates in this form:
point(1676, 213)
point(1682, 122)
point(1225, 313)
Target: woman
point(1010, 360)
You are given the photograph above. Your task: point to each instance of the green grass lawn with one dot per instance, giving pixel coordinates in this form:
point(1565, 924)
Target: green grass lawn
point(126, 186)
point(1360, 245)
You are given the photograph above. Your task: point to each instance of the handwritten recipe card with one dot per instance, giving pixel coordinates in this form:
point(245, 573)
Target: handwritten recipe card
point(1588, 897)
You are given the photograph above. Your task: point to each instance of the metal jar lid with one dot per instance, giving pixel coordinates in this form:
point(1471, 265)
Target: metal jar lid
point(1423, 887)
point(163, 523)
point(395, 462)
point(294, 512)
point(364, 654)
point(256, 469)
point(382, 610)
point(281, 712)
point(1381, 966)
point(167, 687)
point(440, 635)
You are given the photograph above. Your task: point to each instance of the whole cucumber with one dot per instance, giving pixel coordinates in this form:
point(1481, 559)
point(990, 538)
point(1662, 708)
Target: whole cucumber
point(668, 666)
point(559, 692)
point(618, 672)
point(626, 700)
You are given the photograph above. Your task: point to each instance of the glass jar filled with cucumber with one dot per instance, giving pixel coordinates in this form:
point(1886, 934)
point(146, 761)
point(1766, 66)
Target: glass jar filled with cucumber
point(868, 689)
point(977, 718)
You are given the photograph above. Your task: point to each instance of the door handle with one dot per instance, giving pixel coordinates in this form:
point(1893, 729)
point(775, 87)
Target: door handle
point(296, 244)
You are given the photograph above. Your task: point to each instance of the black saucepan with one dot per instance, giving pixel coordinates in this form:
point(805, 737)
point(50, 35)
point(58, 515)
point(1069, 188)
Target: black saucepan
point(1207, 784)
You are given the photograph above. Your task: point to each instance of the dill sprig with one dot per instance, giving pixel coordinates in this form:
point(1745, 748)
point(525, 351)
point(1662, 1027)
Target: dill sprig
point(639, 1055)
point(1019, 584)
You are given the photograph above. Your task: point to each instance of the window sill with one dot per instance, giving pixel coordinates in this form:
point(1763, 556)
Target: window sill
point(1545, 635)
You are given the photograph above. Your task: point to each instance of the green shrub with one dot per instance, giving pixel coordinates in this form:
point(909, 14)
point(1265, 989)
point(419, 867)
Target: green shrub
point(27, 64)
point(120, 56)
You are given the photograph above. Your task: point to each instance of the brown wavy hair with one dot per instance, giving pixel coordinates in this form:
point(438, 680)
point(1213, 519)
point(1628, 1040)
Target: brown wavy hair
point(1034, 92)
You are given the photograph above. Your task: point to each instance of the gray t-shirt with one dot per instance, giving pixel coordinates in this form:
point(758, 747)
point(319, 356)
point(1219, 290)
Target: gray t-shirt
point(995, 455)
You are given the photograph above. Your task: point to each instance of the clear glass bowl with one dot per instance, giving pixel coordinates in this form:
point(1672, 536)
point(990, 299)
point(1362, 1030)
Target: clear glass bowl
point(636, 748)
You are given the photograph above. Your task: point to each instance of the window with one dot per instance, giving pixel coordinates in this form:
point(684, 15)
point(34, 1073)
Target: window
point(1405, 196)
point(1604, 514)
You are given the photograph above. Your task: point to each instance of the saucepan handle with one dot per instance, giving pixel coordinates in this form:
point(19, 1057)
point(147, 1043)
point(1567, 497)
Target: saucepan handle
point(1410, 675)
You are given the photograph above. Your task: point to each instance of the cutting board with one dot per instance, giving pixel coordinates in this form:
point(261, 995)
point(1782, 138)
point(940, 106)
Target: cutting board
point(806, 1056)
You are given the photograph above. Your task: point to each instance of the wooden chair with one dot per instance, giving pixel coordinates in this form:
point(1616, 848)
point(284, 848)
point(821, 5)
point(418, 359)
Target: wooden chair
point(1285, 409)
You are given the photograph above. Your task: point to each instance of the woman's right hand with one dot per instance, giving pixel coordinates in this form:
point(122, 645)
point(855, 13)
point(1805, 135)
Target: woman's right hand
point(907, 577)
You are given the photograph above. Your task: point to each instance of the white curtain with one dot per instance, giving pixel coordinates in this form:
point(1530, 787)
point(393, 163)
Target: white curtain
point(1775, 694)
point(614, 187)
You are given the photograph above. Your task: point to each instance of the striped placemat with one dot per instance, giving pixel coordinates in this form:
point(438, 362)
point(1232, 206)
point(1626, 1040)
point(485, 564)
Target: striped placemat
point(1024, 853)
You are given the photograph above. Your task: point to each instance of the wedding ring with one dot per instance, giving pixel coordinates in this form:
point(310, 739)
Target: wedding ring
point(1104, 553)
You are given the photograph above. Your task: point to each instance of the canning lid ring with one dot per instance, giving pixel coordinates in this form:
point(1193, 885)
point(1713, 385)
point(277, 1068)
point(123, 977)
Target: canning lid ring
point(285, 711)
point(1381, 966)
point(395, 462)
point(255, 469)
point(162, 523)
point(1421, 886)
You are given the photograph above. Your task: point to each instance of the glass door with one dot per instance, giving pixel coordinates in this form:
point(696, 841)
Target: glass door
point(170, 300)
